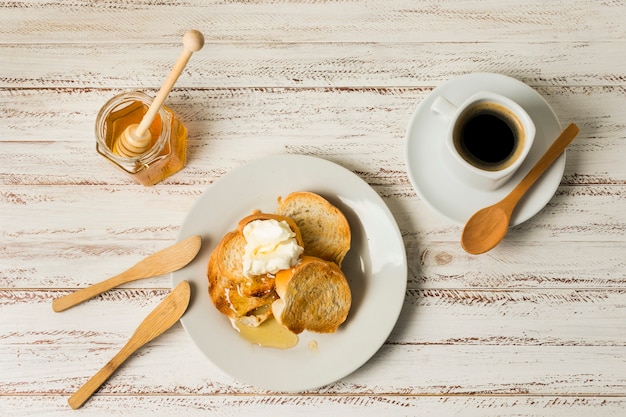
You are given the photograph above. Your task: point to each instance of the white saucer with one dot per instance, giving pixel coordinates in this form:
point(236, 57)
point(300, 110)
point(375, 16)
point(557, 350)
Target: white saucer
point(447, 195)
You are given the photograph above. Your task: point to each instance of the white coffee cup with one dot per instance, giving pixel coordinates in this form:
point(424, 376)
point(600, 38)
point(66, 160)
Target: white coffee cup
point(487, 139)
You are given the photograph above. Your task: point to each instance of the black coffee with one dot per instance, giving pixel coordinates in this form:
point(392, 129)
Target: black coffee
point(489, 136)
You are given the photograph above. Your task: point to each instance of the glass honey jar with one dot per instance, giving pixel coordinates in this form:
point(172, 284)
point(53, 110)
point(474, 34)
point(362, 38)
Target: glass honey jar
point(167, 151)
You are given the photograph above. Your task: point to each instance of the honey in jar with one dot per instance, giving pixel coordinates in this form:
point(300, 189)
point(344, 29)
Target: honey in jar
point(166, 154)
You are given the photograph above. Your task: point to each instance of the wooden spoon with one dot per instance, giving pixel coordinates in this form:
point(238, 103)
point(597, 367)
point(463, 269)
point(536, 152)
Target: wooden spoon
point(168, 312)
point(162, 262)
point(136, 139)
point(487, 227)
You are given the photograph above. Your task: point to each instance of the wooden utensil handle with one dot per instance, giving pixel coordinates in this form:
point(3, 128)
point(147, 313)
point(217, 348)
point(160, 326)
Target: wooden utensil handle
point(192, 41)
point(84, 294)
point(168, 312)
point(158, 101)
point(553, 152)
point(89, 387)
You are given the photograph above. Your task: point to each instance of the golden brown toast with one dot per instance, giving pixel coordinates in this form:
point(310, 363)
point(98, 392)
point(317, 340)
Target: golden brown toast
point(325, 230)
point(234, 294)
point(227, 294)
point(314, 295)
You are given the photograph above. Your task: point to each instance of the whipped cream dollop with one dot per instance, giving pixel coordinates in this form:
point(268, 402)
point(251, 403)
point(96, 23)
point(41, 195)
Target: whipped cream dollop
point(271, 245)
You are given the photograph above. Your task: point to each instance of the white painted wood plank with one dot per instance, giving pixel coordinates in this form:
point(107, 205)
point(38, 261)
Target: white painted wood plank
point(238, 65)
point(575, 242)
point(62, 257)
point(362, 128)
point(59, 359)
point(571, 216)
point(516, 317)
point(526, 317)
point(362, 405)
point(316, 21)
point(548, 262)
point(541, 342)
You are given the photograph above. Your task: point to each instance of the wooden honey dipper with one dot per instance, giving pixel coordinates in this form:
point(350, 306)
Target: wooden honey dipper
point(136, 139)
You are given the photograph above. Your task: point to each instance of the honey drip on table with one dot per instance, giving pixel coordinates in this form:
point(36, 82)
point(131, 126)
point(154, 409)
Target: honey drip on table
point(268, 334)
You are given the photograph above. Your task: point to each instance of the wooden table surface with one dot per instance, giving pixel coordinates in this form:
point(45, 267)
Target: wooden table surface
point(536, 327)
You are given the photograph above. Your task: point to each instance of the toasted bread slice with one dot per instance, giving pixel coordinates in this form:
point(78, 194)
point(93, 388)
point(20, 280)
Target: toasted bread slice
point(314, 295)
point(243, 298)
point(230, 253)
point(226, 293)
point(325, 230)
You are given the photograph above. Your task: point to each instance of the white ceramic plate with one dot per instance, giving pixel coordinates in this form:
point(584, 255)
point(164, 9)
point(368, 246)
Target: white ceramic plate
point(455, 200)
point(375, 267)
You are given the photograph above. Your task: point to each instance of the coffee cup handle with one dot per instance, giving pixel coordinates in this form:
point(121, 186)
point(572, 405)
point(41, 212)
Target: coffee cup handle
point(443, 107)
